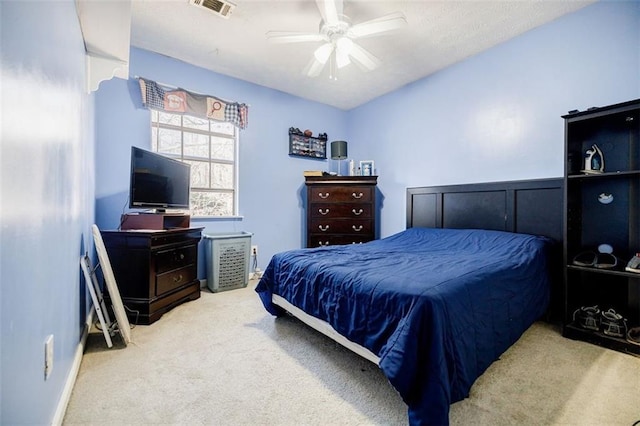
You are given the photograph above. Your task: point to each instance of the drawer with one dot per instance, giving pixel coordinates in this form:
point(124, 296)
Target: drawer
point(345, 210)
point(335, 194)
point(316, 240)
point(174, 258)
point(174, 279)
point(341, 226)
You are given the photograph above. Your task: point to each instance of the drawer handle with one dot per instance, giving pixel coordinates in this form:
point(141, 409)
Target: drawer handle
point(357, 213)
point(323, 229)
point(321, 244)
point(324, 196)
point(177, 279)
point(326, 211)
point(357, 196)
point(357, 229)
point(181, 256)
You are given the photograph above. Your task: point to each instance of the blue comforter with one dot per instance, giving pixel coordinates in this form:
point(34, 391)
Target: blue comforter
point(437, 306)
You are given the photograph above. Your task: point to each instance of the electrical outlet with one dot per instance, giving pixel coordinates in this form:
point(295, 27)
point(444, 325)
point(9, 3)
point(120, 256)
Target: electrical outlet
point(254, 250)
point(48, 356)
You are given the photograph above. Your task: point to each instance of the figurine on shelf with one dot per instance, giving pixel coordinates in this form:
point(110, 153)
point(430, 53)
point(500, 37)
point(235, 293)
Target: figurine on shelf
point(594, 160)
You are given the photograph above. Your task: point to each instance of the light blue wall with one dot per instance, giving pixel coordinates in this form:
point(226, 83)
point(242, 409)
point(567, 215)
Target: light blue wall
point(47, 201)
point(270, 180)
point(496, 116)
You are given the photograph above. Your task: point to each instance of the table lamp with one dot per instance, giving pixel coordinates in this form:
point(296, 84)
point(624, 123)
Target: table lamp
point(339, 152)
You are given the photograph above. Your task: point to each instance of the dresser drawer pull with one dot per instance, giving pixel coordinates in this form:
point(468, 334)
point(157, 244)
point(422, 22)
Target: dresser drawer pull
point(177, 279)
point(357, 213)
point(321, 244)
point(323, 195)
point(357, 228)
point(357, 196)
point(325, 212)
point(323, 229)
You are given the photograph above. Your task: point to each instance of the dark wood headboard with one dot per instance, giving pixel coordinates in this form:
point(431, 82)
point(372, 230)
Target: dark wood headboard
point(525, 206)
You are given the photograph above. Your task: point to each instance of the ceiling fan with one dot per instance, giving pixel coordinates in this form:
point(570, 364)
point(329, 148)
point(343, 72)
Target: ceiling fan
point(338, 35)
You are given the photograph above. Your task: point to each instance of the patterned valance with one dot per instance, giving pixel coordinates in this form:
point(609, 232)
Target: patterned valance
point(171, 99)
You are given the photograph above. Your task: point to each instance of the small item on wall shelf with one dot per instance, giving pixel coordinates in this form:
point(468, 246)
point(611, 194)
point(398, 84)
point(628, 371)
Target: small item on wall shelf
point(367, 168)
point(593, 161)
point(302, 144)
point(604, 198)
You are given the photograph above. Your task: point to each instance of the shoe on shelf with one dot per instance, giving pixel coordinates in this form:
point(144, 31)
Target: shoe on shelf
point(587, 317)
point(633, 335)
point(613, 324)
point(634, 264)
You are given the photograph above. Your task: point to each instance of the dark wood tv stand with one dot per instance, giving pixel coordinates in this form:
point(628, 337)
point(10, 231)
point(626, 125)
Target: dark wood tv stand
point(154, 270)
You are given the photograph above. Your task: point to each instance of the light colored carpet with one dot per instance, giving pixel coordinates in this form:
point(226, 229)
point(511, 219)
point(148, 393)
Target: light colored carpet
point(223, 360)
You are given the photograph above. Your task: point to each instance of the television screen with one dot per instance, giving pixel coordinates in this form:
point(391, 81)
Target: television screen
point(158, 182)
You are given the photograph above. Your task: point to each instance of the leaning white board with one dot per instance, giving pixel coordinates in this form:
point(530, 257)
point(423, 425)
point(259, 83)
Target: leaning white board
point(110, 279)
point(96, 296)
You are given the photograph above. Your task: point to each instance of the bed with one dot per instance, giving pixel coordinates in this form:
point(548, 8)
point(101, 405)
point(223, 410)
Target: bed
point(434, 305)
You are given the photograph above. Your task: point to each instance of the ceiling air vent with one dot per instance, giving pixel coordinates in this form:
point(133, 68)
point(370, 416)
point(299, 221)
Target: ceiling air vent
point(220, 8)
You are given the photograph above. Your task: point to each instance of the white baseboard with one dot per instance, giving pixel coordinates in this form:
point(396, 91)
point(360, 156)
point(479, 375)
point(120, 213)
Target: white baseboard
point(73, 374)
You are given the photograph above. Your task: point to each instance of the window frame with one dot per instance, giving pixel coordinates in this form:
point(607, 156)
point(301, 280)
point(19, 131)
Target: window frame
point(156, 125)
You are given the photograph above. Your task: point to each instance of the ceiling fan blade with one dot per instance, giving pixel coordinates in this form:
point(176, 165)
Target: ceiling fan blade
point(331, 10)
point(293, 37)
point(379, 25)
point(364, 58)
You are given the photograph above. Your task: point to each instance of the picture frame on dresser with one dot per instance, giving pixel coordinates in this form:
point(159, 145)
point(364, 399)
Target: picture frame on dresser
point(367, 168)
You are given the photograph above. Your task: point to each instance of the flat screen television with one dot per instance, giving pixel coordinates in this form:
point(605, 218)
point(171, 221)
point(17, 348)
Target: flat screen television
point(158, 182)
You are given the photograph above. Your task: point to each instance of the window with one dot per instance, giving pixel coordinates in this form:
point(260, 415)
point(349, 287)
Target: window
point(211, 148)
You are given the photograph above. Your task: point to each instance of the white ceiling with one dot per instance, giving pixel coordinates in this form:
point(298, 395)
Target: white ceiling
point(438, 34)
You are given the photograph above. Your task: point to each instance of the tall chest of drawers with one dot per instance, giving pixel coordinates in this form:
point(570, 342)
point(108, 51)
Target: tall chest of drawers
point(340, 209)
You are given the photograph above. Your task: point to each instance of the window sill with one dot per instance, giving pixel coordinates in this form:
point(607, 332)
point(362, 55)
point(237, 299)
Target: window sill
point(216, 218)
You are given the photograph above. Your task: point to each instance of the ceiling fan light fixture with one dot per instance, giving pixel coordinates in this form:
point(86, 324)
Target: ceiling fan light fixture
point(344, 45)
point(323, 52)
point(338, 34)
point(342, 59)
point(343, 49)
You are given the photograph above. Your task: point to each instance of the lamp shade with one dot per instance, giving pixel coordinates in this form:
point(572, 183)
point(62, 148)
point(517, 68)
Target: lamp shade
point(338, 150)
